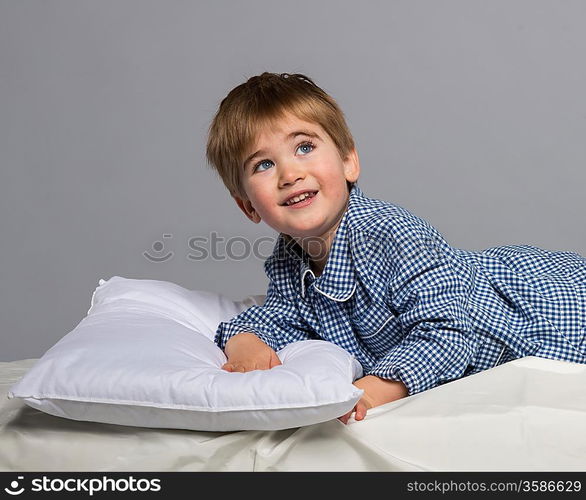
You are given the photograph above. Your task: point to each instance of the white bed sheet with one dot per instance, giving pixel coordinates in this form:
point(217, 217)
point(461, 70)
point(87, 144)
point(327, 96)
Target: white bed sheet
point(526, 415)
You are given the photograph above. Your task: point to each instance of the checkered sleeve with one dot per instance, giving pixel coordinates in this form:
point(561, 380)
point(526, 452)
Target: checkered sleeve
point(429, 289)
point(277, 322)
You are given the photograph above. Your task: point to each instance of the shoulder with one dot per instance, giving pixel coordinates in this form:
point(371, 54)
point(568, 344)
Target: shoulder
point(379, 219)
point(390, 244)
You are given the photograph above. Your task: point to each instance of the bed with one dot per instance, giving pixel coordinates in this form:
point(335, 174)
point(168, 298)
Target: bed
point(525, 415)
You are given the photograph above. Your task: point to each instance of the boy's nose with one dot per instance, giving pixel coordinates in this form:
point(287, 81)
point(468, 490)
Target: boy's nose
point(290, 174)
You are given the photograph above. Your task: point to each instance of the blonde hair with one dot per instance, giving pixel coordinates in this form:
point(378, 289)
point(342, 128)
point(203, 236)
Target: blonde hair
point(260, 102)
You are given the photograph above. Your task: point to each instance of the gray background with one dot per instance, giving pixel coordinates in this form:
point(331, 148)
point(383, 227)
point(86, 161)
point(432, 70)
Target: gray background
point(471, 114)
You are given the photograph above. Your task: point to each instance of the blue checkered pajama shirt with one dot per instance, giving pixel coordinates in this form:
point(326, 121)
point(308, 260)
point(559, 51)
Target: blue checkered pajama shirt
point(412, 308)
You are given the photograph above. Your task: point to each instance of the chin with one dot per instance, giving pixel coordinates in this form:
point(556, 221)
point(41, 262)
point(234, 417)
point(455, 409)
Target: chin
point(306, 233)
point(309, 229)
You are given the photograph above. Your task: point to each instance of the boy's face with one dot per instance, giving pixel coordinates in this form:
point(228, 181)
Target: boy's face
point(288, 164)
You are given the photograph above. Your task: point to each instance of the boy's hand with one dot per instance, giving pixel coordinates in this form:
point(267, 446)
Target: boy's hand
point(377, 391)
point(246, 352)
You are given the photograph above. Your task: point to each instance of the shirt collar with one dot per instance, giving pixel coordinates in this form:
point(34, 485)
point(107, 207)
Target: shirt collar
point(289, 268)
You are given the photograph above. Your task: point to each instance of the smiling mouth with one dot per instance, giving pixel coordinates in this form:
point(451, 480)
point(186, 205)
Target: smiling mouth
point(299, 199)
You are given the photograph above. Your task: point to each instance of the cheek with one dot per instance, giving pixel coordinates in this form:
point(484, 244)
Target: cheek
point(334, 179)
point(262, 202)
point(254, 190)
point(331, 167)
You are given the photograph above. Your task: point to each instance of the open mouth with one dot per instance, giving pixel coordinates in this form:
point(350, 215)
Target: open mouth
point(302, 199)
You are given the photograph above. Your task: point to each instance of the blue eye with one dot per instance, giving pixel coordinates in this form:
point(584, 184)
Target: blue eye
point(257, 166)
point(307, 145)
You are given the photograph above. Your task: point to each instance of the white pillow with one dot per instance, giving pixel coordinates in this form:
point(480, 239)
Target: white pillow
point(144, 356)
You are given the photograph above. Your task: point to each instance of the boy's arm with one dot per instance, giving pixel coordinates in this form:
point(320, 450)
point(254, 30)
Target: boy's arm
point(429, 288)
point(252, 337)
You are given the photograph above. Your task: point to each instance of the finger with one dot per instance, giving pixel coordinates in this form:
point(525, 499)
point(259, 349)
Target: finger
point(231, 367)
point(274, 361)
point(360, 411)
point(344, 418)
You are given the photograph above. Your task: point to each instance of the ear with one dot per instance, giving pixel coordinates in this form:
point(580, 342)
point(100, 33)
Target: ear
point(248, 209)
point(352, 166)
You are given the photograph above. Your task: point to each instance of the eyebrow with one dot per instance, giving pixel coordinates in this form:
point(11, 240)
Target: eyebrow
point(292, 135)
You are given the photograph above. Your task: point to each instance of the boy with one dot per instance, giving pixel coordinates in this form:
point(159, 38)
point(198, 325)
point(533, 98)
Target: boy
point(366, 274)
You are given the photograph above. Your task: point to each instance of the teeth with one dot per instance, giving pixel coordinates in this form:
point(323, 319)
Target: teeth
point(298, 198)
